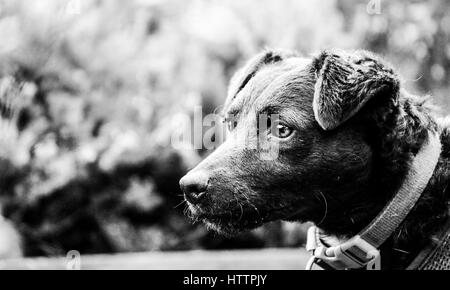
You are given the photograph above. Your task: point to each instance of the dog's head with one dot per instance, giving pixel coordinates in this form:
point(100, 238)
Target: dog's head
point(313, 117)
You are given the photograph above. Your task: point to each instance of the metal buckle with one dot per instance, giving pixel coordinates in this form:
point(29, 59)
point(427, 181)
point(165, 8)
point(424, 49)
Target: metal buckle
point(355, 253)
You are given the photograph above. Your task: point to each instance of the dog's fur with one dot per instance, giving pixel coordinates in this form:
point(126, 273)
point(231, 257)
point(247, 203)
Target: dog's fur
point(356, 131)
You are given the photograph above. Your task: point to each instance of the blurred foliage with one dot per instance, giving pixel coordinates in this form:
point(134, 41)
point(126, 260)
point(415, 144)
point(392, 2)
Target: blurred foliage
point(91, 167)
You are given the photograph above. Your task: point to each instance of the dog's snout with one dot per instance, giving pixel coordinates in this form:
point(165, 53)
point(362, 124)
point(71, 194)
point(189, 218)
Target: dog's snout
point(194, 186)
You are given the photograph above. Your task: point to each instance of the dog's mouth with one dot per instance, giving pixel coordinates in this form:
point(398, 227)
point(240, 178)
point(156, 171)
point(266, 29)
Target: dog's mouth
point(240, 219)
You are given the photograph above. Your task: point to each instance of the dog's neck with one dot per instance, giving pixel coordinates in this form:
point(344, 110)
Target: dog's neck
point(389, 219)
point(396, 152)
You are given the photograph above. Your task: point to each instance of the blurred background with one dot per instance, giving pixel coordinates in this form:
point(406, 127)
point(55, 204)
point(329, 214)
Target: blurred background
point(86, 163)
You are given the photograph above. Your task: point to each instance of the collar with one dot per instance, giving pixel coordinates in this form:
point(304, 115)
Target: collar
point(362, 250)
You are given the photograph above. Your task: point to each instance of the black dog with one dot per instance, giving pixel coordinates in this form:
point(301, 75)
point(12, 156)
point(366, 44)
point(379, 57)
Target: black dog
point(346, 135)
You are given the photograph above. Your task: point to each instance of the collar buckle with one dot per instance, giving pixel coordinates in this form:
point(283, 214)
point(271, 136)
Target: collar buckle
point(355, 253)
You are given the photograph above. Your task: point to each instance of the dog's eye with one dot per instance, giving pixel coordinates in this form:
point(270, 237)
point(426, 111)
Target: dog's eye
point(274, 127)
point(231, 123)
point(282, 131)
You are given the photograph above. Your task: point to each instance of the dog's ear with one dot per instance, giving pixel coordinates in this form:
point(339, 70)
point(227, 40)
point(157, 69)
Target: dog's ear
point(245, 74)
point(346, 81)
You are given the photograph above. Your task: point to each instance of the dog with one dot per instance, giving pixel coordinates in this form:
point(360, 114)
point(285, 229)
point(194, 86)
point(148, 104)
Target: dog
point(347, 133)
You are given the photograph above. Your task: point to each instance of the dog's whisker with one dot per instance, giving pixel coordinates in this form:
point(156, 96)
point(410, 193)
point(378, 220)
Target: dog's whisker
point(242, 209)
point(326, 208)
point(253, 206)
point(400, 250)
point(257, 211)
point(181, 203)
point(336, 199)
point(359, 208)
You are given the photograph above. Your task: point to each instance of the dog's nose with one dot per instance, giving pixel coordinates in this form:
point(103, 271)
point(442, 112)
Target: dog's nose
point(194, 186)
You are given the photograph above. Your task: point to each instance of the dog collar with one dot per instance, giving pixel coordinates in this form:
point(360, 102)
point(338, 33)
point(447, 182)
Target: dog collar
point(362, 250)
